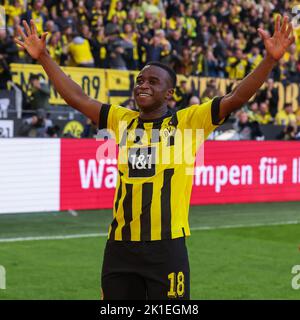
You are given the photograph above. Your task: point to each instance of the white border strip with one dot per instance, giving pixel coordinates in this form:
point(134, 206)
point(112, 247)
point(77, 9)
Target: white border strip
point(250, 225)
point(95, 235)
point(30, 175)
point(58, 237)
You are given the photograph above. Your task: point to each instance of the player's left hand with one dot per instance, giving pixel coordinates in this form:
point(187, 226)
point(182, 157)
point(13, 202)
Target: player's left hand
point(282, 38)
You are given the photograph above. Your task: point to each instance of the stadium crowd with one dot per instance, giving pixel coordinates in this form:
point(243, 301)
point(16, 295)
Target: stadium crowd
point(196, 37)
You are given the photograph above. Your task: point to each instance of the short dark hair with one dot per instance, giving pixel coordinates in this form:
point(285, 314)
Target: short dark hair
point(170, 71)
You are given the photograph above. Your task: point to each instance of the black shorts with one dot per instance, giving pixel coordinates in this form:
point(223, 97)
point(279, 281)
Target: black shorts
point(155, 270)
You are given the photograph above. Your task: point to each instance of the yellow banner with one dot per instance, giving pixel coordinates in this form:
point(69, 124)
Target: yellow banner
point(92, 81)
point(120, 85)
point(289, 93)
point(116, 86)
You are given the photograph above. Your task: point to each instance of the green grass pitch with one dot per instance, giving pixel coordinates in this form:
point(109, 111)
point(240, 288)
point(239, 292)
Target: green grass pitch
point(236, 252)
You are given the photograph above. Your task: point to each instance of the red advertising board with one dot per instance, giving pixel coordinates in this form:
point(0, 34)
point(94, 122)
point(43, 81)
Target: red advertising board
point(86, 182)
point(248, 171)
point(233, 172)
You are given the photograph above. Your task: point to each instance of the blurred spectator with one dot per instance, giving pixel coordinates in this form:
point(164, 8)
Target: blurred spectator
point(131, 38)
point(198, 59)
point(153, 48)
point(298, 117)
point(176, 42)
point(289, 132)
point(66, 38)
point(96, 14)
point(286, 116)
point(182, 95)
point(66, 20)
point(254, 58)
point(280, 72)
point(8, 54)
point(247, 130)
point(190, 23)
point(118, 51)
point(271, 96)
point(5, 75)
point(291, 60)
point(211, 91)
point(51, 27)
point(55, 7)
point(264, 116)
point(55, 48)
point(211, 68)
point(37, 14)
point(13, 9)
point(236, 65)
point(82, 12)
point(120, 12)
point(184, 63)
point(130, 104)
point(80, 52)
point(53, 132)
point(40, 93)
point(8, 48)
point(89, 129)
point(22, 99)
point(98, 43)
point(37, 126)
point(166, 46)
point(253, 113)
point(150, 7)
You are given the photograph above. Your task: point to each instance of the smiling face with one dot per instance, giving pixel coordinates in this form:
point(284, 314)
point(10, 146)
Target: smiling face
point(153, 88)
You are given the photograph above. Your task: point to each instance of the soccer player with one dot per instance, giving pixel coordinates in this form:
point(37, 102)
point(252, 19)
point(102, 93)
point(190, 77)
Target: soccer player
point(145, 255)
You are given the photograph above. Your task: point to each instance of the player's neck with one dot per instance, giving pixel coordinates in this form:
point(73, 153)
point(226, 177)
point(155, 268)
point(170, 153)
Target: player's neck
point(153, 114)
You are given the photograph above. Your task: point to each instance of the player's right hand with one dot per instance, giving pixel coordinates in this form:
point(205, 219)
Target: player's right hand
point(34, 45)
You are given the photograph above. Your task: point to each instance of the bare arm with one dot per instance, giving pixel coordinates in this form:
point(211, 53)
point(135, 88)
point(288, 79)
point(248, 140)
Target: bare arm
point(70, 91)
point(275, 48)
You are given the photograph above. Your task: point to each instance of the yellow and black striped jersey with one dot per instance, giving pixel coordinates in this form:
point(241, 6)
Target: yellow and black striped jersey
point(156, 164)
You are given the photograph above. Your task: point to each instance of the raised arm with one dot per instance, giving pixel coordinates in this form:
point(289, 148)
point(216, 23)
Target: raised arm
point(70, 91)
point(275, 49)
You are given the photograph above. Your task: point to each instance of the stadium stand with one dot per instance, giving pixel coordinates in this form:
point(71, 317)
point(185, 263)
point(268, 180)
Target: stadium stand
point(206, 39)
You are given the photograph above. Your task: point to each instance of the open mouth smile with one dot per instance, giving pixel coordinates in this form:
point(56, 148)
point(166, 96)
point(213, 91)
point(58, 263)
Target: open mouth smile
point(142, 94)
